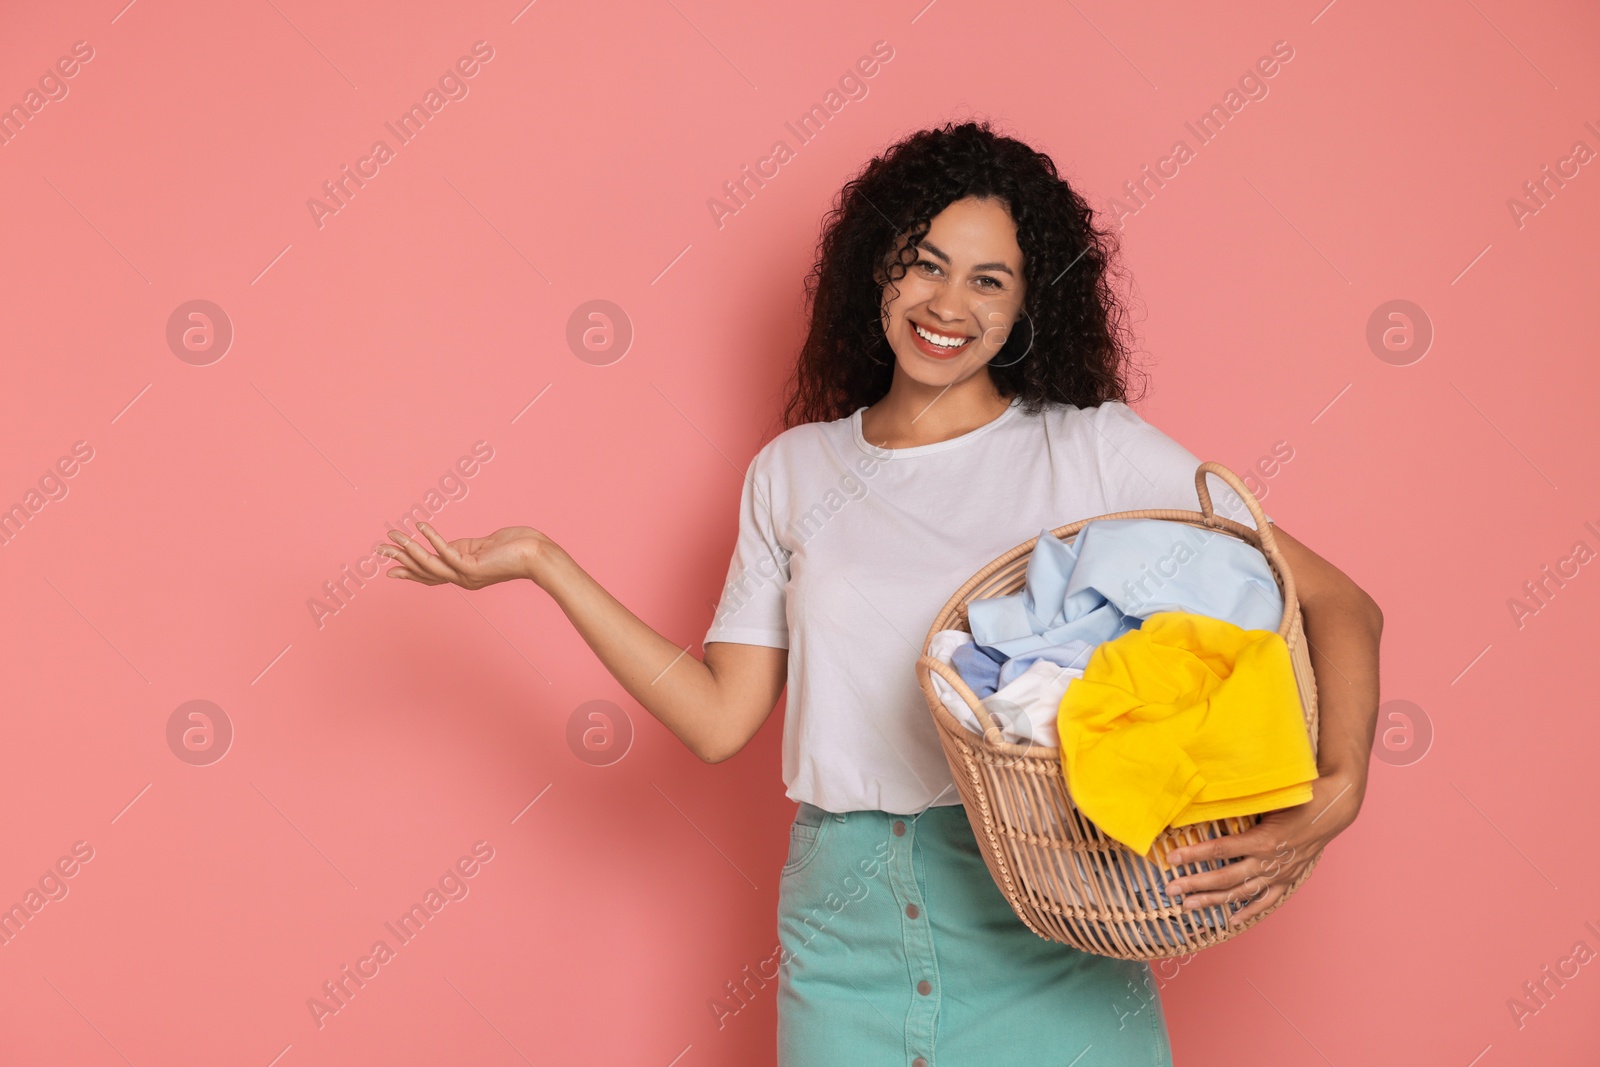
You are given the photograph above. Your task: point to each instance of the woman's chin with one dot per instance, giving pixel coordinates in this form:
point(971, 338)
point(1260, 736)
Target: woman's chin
point(935, 373)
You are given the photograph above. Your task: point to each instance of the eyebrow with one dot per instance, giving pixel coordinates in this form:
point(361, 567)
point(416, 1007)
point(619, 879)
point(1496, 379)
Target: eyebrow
point(981, 266)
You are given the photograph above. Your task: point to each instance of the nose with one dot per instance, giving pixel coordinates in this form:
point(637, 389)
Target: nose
point(945, 304)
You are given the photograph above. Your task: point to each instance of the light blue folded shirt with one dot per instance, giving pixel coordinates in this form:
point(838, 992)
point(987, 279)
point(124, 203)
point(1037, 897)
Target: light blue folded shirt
point(1114, 575)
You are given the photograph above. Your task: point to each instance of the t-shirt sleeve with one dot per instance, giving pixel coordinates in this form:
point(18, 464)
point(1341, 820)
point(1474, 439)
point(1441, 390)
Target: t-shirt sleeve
point(1141, 467)
point(753, 607)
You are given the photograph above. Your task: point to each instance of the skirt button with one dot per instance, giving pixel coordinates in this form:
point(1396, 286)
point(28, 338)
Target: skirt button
point(911, 911)
point(899, 828)
point(924, 987)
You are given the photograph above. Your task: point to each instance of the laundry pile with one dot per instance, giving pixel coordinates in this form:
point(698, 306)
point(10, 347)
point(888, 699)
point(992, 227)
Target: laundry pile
point(1147, 651)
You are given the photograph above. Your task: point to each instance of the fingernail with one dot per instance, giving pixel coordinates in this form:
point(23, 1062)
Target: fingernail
point(1172, 857)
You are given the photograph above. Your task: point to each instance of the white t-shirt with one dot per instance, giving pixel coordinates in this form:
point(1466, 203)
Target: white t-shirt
point(846, 552)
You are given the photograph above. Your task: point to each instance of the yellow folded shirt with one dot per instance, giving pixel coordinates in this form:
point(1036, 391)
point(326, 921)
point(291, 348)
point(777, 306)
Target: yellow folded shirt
point(1187, 718)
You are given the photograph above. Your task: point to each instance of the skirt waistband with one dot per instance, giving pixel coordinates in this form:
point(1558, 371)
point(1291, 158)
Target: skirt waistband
point(811, 815)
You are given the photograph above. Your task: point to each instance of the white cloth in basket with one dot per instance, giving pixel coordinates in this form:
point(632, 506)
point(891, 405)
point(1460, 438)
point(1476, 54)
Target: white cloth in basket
point(1025, 708)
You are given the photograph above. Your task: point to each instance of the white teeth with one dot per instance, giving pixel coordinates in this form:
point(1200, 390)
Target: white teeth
point(934, 339)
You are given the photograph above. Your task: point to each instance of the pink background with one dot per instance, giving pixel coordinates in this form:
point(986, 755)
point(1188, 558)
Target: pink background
point(369, 354)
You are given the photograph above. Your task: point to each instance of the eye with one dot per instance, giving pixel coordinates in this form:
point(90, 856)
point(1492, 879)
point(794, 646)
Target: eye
point(994, 283)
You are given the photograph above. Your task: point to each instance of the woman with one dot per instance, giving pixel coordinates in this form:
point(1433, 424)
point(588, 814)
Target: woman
point(961, 387)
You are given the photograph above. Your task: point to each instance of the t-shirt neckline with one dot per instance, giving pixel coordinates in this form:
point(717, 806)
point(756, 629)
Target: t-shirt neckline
point(936, 446)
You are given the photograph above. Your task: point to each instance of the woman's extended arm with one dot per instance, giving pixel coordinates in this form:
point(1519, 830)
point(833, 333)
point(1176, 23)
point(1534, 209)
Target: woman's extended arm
point(713, 706)
point(1343, 625)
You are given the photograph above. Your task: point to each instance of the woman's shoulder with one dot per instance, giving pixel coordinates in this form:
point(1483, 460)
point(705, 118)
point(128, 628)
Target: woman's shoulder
point(1108, 415)
point(1110, 427)
point(805, 441)
point(1058, 416)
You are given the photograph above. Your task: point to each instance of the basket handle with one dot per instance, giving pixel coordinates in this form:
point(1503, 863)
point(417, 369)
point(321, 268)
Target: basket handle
point(1269, 543)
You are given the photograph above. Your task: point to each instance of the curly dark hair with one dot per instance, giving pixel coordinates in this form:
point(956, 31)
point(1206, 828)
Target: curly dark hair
point(1076, 350)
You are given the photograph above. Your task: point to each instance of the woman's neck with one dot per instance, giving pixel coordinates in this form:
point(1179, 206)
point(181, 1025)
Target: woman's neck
point(913, 414)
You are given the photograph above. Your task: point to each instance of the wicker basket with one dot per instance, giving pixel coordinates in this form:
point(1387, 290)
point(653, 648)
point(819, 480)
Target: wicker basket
point(1066, 880)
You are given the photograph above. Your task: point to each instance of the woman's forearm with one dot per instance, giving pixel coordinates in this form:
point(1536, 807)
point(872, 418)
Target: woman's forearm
point(1342, 633)
point(674, 686)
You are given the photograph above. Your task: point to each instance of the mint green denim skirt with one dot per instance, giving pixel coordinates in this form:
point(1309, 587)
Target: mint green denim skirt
point(898, 949)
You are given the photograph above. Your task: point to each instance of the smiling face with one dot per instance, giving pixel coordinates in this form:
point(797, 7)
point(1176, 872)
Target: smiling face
point(958, 301)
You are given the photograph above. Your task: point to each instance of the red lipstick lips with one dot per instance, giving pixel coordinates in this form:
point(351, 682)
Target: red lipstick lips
point(932, 350)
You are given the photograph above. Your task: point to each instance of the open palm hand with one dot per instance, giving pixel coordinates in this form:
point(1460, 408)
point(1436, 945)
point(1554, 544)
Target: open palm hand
point(470, 562)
